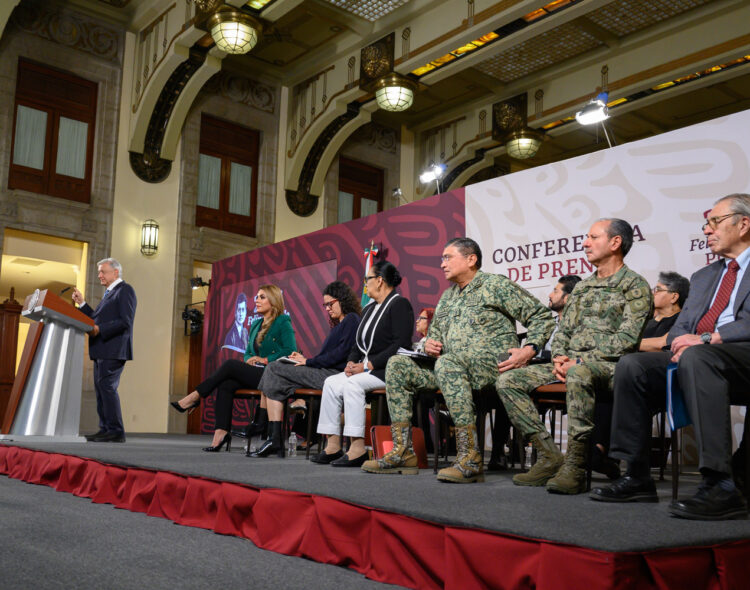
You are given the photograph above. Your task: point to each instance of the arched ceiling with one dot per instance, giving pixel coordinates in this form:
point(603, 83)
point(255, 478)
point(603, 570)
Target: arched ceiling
point(535, 44)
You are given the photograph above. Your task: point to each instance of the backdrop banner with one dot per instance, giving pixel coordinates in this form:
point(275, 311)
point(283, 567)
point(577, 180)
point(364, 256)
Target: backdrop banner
point(531, 225)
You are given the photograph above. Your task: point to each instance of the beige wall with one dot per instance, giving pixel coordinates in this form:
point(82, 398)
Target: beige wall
point(146, 381)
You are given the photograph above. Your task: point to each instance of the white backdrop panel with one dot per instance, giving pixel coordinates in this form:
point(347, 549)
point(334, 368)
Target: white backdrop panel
point(530, 225)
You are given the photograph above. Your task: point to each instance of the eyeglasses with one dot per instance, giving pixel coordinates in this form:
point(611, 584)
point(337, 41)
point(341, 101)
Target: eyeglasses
point(656, 290)
point(329, 304)
point(423, 318)
point(713, 222)
point(370, 277)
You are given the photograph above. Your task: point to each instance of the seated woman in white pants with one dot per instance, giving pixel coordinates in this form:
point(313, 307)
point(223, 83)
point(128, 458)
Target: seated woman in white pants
point(386, 326)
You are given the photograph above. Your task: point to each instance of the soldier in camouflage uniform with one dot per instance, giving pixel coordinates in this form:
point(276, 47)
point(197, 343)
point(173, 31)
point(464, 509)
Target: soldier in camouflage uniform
point(473, 322)
point(603, 319)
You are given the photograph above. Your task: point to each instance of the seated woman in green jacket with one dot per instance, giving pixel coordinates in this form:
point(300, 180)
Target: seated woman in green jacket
point(269, 339)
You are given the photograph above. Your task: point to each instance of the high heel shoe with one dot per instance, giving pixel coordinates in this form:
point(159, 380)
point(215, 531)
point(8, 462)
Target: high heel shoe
point(182, 410)
point(227, 439)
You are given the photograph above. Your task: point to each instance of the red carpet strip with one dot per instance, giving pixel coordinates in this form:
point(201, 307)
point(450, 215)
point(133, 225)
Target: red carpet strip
point(381, 545)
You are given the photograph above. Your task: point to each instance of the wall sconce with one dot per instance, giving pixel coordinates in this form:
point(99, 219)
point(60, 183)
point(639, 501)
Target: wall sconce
point(233, 31)
point(149, 237)
point(509, 126)
point(393, 91)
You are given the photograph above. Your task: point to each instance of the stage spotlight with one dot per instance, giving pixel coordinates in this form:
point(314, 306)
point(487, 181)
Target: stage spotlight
point(594, 112)
point(196, 282)
point(433, 172)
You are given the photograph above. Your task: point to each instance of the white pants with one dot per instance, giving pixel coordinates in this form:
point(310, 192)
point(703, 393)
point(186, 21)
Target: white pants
point(349, 392)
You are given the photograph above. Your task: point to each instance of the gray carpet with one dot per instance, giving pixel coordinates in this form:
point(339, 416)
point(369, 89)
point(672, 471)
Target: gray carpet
point(495, 505)
point(53, 540)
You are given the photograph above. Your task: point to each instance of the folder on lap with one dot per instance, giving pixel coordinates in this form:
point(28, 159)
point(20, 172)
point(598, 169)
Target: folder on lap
point(676, 409)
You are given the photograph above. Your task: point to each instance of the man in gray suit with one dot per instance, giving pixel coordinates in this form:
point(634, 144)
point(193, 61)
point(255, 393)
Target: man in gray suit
point(710, 342)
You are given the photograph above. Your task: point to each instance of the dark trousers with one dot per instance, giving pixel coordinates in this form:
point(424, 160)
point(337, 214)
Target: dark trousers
point(228, 378)
point(709, 376)
point(106, 380)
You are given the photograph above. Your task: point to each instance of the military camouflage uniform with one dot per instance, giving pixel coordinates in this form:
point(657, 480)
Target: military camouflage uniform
point(603, 319)
point(474, 325)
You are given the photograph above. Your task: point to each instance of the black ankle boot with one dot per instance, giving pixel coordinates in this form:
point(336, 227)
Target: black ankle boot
point(272, 445)
point(256, 427)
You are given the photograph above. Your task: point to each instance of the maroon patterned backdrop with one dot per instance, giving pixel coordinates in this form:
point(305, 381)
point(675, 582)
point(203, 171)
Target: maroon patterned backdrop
point(411, 237)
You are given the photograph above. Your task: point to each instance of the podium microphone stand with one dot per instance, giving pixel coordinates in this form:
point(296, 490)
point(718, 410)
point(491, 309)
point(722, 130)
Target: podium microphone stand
point(45, 402)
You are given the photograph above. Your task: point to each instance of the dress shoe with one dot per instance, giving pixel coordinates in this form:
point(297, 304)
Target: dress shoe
point(711, 502)
point(324, 459)
point(626, 489)
point(345, 461)
point(182, 410)
point(226, 440)
point(90, 437)
point(118, 437)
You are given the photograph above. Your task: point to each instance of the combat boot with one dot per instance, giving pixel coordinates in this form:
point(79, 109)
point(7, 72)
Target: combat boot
point(571, 479)
point(548, 461)
point(468, 465)
point(400, 459)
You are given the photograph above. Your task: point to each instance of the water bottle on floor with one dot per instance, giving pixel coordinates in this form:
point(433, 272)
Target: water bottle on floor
point(527, 457)
point(292, 449)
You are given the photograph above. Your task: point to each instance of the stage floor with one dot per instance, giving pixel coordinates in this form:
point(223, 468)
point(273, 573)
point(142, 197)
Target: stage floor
point(495, 505)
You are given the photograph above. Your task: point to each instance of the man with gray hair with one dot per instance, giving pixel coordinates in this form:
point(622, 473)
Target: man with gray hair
point(603, 319)
point(110, 345)
point(710, 344)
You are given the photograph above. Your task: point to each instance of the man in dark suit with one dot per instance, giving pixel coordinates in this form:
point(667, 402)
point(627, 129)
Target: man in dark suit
point(110, 345)
point(710, 342)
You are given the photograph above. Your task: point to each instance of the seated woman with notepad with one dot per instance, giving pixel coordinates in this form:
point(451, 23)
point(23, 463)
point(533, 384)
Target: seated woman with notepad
point(281, 378)
point(423, 324)
point(386, 326)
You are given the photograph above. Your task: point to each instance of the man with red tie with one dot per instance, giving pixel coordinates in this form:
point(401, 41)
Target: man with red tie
point(710, 342)
point(110, 345)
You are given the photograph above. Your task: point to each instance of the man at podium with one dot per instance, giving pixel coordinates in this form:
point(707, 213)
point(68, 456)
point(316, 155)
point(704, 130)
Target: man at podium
point(110, 345)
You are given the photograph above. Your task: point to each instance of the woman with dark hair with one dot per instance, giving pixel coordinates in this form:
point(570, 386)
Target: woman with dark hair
point(270, 338)
point(386, 326)
point(280, 379)
point(423, 324)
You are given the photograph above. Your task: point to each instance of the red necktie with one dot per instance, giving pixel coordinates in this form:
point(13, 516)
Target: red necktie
point(708, 321)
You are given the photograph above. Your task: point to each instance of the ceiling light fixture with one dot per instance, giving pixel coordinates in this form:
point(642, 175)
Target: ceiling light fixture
point(394, 92)
point(510, 126)
point(234, 31)
point(523, 143)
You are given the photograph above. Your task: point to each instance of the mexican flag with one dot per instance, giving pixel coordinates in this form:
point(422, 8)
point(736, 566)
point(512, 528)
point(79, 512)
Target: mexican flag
point(370, 254)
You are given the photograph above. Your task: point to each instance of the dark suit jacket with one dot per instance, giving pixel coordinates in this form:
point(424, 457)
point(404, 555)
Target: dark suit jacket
point(114, 315)
point(393, 332)
point(279, 340)
point(703, 285)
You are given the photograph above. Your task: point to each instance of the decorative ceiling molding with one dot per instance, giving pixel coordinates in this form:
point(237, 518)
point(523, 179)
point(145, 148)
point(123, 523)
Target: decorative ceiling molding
point(70, 29)
point(150, 166)
point(243, 90)
point(300, 201)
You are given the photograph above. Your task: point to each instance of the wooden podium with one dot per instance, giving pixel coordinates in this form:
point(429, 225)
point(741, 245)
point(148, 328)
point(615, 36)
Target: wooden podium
point(45, 402)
